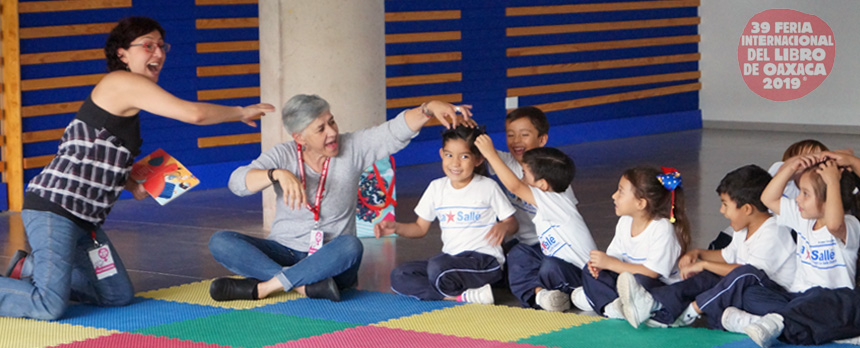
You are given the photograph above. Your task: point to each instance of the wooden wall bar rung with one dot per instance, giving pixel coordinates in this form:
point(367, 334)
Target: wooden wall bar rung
point(423, 79)
point(416, 101)
point(62, 56)
point(423, 58)
point(2, 167)
point(422, 37)
point(421, 16)
point(44, 135)
point(60, 82)
point(226, 23)
point(602, 64)
point(605, 26)
point(228, 93)
point(50, 109)
point(223, 2)
point(70, 5)
point(224, 70)
point(227, 46)
point(601, 45)
point(37, 162)
point(589, 85)
point(603, 7)
point(226, 140)
point(66, 30)
point(619, 97)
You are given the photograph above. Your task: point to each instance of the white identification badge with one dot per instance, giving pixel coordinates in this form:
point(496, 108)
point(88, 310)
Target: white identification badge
point(102, 261)
point(316, 241)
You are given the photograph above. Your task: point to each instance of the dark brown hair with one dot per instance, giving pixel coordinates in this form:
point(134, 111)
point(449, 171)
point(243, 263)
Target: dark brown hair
point(127, 30)
point(659, 201)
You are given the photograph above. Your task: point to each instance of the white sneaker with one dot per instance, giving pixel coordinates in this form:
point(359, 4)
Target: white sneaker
point(636, 302)
point(614, 310)
point(735, 320)
point(854, 340)
point(765, 331)
point(552, 300)
point(482, 295)
point(580, 301)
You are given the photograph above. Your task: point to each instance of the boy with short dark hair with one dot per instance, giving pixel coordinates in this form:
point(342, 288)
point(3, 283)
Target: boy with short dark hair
point(757, 241)
point(545, 278)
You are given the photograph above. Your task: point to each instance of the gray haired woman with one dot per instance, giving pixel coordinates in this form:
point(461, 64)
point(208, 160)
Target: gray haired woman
point(312, 247)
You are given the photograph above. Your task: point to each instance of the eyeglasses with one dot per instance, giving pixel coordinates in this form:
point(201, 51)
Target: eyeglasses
point(150, 46)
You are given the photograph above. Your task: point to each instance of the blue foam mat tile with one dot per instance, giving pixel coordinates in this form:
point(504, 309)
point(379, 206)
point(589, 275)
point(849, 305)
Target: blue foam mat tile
point(358, 306)
point(140, 314)
point(748, 343)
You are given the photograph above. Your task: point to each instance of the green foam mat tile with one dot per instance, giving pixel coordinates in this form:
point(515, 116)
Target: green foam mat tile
point(618, 333)
point(244, 328)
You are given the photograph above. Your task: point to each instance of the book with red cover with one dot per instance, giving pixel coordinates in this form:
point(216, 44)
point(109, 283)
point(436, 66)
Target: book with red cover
point(163, 176)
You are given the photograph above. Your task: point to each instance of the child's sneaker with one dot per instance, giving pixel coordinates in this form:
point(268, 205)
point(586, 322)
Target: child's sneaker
point(636, 302)
point(735, 320)
point(552, 300)
point(580, 301)
point(482, 295)
point(765, 331)
point(614, 310)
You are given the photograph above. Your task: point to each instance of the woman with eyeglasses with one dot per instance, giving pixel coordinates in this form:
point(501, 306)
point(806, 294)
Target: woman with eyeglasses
point(66, 204)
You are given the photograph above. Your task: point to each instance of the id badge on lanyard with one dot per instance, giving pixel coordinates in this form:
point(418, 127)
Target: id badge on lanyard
point(316, 236)
point(102, 259)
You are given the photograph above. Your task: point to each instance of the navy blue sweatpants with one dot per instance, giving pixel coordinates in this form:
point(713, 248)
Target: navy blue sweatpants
point(734, 291)
point(445, 275)
point(529, 268)
point(601, 291)
point(676, 297)
point(820, 315)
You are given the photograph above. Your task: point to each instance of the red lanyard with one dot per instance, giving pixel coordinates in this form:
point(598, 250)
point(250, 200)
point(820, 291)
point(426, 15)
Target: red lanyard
point(320, 188)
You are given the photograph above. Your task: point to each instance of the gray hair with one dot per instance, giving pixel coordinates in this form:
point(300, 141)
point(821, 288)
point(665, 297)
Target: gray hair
point(301, 110)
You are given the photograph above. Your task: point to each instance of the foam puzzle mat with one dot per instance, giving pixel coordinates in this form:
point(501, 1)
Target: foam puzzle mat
point(185, 316)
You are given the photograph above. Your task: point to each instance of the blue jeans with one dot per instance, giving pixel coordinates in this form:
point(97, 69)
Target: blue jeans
point(58, 269)
point(265, 259)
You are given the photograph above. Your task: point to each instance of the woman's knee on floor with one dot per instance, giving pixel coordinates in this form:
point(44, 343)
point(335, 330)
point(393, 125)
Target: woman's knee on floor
point(223, 243)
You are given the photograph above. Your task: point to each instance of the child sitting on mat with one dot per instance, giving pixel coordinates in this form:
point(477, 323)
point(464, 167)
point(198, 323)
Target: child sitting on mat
point(652, 232)
point(467, 206)
point(545, 278)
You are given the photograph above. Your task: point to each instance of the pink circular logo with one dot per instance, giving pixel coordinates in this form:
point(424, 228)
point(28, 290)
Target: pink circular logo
point(785, 54)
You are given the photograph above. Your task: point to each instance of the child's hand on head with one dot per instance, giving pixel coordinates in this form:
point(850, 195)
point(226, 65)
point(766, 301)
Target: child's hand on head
point(829, 172)
point(384, 228)
point(484, 144)
point(842, 157)
point(801, 162)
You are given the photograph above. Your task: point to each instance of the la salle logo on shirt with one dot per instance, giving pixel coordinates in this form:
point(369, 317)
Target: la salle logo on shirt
point(459, 217)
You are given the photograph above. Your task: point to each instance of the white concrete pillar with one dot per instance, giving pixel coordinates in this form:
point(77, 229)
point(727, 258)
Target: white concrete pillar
point(332, 48)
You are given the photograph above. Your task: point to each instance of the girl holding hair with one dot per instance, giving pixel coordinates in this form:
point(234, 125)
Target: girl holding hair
point(64, 206)
point(652, 232)
point(467, 205)
point(828, 238)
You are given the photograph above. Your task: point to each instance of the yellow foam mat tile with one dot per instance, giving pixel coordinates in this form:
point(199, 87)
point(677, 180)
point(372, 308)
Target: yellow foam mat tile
point(18, 332)
point(198, 293)
point(497, 323)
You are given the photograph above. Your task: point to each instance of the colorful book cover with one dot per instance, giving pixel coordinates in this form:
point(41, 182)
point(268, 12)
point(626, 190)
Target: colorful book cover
point(376, 197)
point(163, 176)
